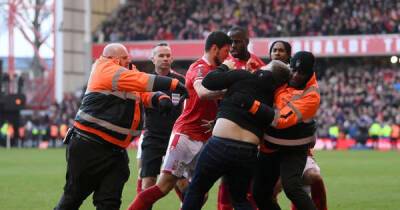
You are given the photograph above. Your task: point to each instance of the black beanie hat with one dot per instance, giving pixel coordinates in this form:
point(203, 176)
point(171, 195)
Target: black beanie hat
point(303, 62)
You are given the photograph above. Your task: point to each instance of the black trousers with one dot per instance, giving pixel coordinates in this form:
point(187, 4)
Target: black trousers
point(222, 157)
point(94, 167)
point(289, 164)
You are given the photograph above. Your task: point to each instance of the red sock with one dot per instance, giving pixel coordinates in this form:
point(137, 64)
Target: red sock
point(293, 207)
point(139, 185)
point(146, 198)
point(318, 194)
point(178, 193)
point(224, 197)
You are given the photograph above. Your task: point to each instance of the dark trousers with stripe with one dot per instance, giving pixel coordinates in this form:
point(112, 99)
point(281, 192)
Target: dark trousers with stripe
point(222, 157)
point(93, 166)
point(289, 165)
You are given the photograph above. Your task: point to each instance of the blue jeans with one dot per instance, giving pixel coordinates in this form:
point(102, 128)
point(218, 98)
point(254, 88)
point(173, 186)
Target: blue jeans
point(223, 157)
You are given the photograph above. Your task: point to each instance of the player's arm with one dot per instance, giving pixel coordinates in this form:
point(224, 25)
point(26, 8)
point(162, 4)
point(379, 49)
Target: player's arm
point(223, 78)
point(205, 93)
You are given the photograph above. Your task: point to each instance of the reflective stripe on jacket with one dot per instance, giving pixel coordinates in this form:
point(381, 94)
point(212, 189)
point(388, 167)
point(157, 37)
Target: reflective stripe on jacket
point(112, 107)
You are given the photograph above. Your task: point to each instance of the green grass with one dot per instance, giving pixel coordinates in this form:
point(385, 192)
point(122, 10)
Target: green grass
point(356, 180)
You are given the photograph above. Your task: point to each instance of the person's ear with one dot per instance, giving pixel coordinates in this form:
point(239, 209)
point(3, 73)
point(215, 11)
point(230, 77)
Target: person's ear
point(116, 61)
point(214, 49)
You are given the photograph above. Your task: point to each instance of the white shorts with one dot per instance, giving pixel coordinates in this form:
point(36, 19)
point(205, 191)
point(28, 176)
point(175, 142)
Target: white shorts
point(181, 155)
point(139, 147)
point(311, 164)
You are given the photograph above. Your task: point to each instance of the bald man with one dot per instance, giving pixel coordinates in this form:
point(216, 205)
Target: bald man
point(109, 118)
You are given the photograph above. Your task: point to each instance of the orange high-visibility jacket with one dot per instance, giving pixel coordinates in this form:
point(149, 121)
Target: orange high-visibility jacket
point(112, 107)
point(53, 131)
point(294, 124)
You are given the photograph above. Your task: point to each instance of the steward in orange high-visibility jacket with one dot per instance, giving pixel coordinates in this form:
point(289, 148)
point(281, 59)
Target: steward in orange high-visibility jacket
point(109, 118)
point(290, 133)
point(295, 109)
point(111, 107)
point(291, 121)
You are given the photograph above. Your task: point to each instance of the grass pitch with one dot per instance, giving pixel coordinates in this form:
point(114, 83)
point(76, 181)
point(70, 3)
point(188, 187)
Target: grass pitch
point(356, 180)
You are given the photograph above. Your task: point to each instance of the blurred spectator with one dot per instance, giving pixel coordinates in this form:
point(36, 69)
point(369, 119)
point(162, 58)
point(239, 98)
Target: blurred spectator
point(193, 19)
point(49, 125)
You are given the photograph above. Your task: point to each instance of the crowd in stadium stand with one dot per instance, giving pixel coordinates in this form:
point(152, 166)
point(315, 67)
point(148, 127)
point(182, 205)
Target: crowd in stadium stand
point(191, 19)
point(47, 127)
point(359, 101)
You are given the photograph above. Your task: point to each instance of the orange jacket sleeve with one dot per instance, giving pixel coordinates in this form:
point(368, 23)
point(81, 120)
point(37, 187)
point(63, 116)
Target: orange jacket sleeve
point(297, 110)
point(109, 76)
point(133, 80)
point(151, 99)
point(147, 99)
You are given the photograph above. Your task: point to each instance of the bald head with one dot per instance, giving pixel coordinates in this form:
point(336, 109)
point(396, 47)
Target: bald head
point(118, 52)
point(238, 31)
point(240, 40)
point(114, 49)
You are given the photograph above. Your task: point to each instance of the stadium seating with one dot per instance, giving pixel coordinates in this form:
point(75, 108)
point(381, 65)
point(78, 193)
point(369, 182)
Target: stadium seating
point(354, 96)
point(178, 19)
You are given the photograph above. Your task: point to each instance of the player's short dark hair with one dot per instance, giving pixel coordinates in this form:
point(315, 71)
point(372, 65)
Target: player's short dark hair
point(218, 38)
point(286, 45)
point(239, 29)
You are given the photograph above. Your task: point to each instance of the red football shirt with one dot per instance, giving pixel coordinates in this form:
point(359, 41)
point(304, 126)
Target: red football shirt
point(196, 110)
point(241, 64)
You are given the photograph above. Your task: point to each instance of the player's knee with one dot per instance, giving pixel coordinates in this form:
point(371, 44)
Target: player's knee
point(312, 176)
point(182, 184)
point(166, 182)
point(148, 182)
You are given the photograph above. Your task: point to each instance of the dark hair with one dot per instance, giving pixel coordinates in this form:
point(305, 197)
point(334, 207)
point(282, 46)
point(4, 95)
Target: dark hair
point(161, 44)
point(218, 38)
point(239, 29)
point(286, 45)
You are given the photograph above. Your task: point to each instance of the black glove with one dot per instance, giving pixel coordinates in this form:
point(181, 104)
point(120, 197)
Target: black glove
point(164, 105)
point(181, 89)
point(242, 100)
